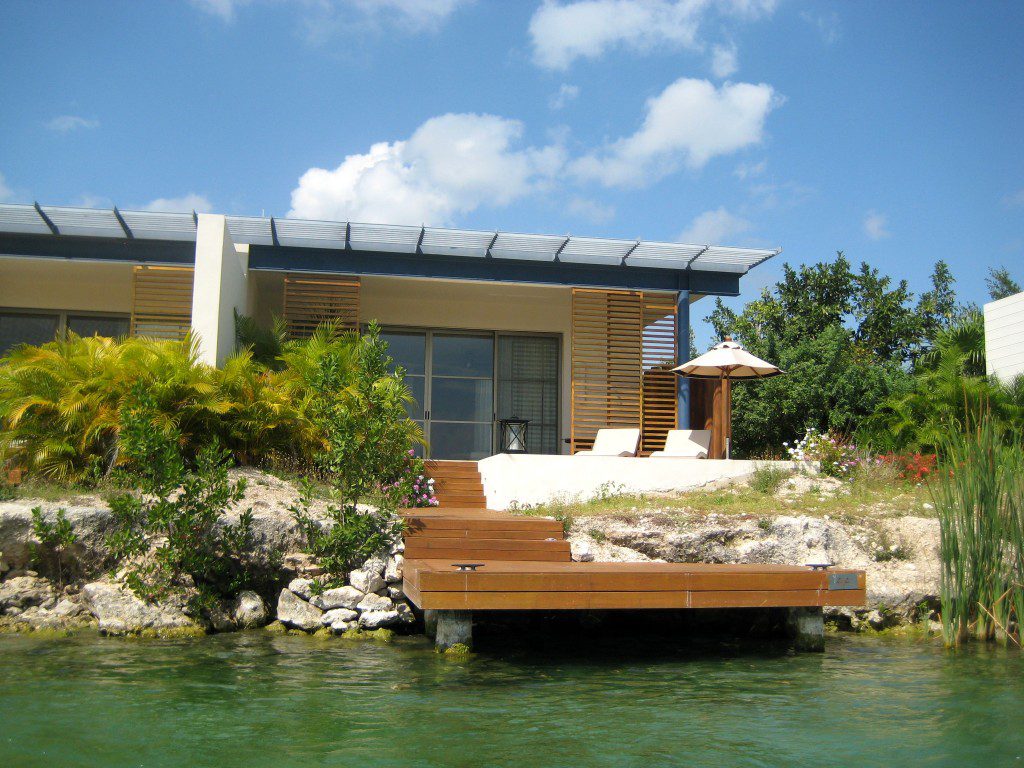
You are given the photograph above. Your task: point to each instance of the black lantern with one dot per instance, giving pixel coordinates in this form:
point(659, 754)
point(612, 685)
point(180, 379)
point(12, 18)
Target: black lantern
point(513, 435)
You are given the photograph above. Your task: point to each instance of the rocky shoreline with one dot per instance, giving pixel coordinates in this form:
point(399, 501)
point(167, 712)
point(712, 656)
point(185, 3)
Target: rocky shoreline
point(899, 553)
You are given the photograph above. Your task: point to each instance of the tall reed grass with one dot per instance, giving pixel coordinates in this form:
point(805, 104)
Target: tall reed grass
point(979, 497)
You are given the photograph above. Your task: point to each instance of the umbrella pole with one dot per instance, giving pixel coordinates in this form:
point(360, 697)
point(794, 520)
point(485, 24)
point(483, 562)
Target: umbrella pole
point(727, 411)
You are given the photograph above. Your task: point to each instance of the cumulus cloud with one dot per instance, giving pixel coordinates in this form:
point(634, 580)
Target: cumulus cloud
point(566, 93)
point(68, 123)
point(876, 225)
point(561, 33)
point(409, 12)
point(724, 60)
point(6, 193)
point(184, 204)
point(688, 123)
point(451, 164)
point(714, 227)
point(591, 210)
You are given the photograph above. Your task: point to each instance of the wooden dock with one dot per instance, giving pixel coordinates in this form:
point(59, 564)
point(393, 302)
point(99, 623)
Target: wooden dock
point(463, 560)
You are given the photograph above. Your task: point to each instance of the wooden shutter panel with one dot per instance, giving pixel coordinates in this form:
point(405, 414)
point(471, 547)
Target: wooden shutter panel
point(161, 302)
point(659, 358)
point(623, 350)
point(312, 299)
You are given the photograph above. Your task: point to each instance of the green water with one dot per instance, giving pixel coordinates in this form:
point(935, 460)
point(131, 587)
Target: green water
point(255, 700)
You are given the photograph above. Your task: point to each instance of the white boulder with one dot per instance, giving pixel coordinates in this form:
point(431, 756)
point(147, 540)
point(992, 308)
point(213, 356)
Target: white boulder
point(302, 587)
point(340, 597)
point(338, 614)
point(296, 612)
point(376, 603)
point(366, 581)
point(250, 610)
point(378, 619)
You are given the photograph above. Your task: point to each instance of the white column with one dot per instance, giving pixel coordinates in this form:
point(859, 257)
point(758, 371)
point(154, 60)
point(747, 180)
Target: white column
point(220, 286)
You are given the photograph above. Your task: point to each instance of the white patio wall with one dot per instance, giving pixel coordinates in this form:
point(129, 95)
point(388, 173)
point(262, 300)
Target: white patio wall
point(515, 479)
point(219, 288)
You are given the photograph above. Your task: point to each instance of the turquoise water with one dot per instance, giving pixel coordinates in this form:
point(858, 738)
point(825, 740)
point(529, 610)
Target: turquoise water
point(254, 699)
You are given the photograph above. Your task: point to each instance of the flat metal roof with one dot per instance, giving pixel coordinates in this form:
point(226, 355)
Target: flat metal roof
point(391, 238)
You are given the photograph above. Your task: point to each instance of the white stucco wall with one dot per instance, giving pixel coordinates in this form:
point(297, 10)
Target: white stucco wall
point(511, 480)
point(1004, 337)
point(220, 288)
point(59, 284)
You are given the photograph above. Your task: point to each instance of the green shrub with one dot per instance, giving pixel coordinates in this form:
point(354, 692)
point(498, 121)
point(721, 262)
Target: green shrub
point(170, 533)
point(356, 403)
point(767, 479)
point(54, 539)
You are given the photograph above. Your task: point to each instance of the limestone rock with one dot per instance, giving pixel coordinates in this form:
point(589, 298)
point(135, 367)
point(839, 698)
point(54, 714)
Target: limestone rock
point(582, 552)
point(366, 581)
point(395, 591)
point(296, 612)
point(394, 568)
point(302, 564)
point(24, 591)
point(376, 566)
point(340, 627)
point(405, 614)
point(377, 619)
point(220, 617)
point(302, 587)
point(376, 603)
point(119, 611)
point(338, 614)
point(341, 597)
point(250, 610)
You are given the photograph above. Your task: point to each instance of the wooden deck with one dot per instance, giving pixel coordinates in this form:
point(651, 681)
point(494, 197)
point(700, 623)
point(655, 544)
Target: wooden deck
point(525, 564)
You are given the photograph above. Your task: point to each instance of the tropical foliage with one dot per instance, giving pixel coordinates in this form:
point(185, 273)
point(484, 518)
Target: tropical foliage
point(61, 404)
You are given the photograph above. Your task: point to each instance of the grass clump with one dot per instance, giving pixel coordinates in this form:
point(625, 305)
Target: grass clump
point(979, 497)
point(767, 478)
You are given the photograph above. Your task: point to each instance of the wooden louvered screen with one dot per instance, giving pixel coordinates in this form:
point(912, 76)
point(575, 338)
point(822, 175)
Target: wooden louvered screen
point(312, 299)
point(161, 302)
point(659, 358)
point(623, 347)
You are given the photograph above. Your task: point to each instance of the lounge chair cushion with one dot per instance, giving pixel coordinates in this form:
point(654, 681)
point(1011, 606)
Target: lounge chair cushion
point(614, 442)
point(686, 444)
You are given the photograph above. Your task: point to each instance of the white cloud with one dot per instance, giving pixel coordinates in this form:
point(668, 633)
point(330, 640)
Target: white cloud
point(184, 204)
point(586, 29)
point(451, 164)
point(68, 123)
point(826, 24)
point(688, 123)
point(746, 171)
point(566, 93)
point(724, 60)
point(1014, 200)
point(591, 210)
point(875, 224)
point(714, 228)
point(418, 13)
point(6, 193)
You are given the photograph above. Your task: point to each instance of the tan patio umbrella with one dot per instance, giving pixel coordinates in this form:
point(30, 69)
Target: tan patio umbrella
point(727, 362)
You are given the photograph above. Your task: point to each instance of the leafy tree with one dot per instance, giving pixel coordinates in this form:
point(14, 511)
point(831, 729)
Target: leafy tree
point(54, 540)
point(356, 400)
point(171, 533)
point(1000, 284)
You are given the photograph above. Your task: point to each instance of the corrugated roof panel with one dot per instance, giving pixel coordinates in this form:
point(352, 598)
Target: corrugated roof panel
point(383, 237)
point(510, 245)
point(723, 259)
point(154, 225)
point(663, 255)
point(254, 230)
point(304, 233)
point(455, 242)
point(87, 222)
point(22, 219)
point(595, 250)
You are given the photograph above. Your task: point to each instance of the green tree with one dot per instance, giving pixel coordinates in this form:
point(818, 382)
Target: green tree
point(1000, 284)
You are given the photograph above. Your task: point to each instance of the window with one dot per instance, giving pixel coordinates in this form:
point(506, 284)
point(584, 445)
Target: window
point(26, 327)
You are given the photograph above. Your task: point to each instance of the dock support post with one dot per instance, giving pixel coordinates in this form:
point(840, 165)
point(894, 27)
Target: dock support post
point(430, 623)
point(453, 628)
point(806, 626)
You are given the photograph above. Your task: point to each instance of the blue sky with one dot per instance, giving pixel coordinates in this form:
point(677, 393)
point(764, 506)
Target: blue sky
point(888, 130)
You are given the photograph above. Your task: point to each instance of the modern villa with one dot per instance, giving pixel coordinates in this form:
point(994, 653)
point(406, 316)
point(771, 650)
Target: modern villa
point(571, 334)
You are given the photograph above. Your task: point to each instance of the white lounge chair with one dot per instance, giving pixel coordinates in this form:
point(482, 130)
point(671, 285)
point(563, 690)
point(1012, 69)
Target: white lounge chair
point(686, 444)
point(614, 442)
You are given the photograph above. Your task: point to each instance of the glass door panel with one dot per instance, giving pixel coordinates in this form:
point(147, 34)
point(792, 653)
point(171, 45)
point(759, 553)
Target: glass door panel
point(528, 387)
point(408, 351)
point(461, 396)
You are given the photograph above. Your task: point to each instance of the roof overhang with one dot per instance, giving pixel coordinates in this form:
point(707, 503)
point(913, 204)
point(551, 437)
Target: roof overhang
point(380, 249)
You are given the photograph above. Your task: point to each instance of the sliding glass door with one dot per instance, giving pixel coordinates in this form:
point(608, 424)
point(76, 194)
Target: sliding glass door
point(452, 377)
